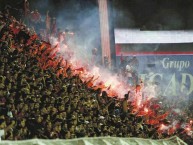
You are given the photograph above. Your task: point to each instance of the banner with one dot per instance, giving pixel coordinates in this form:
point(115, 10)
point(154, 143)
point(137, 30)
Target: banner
point(171, 71)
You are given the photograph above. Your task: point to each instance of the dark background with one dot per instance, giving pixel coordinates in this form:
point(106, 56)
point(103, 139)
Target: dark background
point(154, 14)
point(144, 14)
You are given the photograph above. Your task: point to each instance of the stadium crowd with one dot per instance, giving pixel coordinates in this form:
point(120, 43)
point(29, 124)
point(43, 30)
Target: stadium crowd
point(41, 96)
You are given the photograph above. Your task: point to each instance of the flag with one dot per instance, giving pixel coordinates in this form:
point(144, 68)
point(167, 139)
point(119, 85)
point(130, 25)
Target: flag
point(162, 117)
point(43, 45)
point(48, 22)
point(80, 69)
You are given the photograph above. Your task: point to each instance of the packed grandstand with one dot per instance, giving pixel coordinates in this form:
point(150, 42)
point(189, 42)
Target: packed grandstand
point(42, 96)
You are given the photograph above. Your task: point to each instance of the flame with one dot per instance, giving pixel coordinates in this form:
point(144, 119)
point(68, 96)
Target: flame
point(188, 129)
point(163, 127)
point(108, 83)
point(146, 110)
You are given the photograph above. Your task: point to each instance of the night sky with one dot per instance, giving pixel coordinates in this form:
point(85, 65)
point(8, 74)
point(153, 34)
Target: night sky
point(154, 14)
point(143, 14)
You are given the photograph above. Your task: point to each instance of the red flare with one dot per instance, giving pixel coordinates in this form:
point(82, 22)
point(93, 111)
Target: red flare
point(152, 122)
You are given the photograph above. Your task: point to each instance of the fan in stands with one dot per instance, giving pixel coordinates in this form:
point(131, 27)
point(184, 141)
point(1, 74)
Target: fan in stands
point(43, 95)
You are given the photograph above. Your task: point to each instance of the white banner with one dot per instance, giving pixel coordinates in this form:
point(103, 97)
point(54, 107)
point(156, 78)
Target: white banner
point(133, 36)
